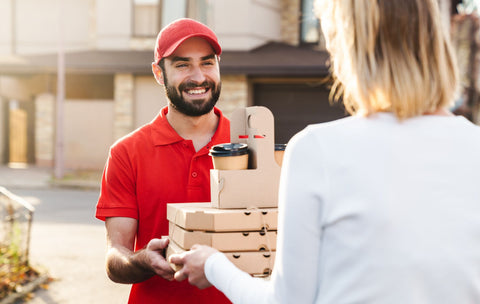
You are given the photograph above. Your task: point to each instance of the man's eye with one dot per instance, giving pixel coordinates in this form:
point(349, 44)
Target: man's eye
point(181, 65)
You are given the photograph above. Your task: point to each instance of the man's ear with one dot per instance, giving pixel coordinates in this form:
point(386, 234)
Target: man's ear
point(157, 72)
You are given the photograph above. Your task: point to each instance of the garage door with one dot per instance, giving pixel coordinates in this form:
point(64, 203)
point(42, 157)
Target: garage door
point(295, 105)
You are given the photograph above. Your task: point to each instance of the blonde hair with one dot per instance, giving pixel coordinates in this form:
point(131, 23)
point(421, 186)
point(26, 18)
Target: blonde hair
point(389, 55)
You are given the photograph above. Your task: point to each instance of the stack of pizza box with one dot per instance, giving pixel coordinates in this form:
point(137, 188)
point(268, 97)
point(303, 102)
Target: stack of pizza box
point(241, 219)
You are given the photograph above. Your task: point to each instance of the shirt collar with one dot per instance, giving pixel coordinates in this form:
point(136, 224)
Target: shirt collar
point(164, 134)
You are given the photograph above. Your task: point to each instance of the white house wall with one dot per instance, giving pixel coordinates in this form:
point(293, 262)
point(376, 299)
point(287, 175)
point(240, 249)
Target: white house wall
point(149, 99)
point(5, 27)
point(88, 132)
point(37, 24)
point(113, 24)
point(244, 25)
point(86, 24)
point(18, 88)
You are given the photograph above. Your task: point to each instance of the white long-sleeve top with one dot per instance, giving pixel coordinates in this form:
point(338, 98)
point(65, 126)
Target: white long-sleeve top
point(373, 210)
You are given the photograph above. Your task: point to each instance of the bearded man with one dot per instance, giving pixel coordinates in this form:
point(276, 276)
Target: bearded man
point(164, 161)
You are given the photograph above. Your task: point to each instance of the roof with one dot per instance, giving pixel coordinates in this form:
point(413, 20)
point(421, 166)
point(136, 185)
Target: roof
point(276, 59)
point(272, 59)
point(97, 62)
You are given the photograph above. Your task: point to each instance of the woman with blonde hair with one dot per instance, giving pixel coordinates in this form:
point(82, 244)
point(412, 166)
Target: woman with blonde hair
point(382, 206)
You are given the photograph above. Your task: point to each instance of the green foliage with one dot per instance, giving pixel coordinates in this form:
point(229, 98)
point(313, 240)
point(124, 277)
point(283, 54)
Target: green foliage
point(14, 268)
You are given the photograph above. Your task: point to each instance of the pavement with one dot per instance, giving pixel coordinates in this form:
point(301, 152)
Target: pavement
point(26, 178)
point(37, 177)
point(67, 243)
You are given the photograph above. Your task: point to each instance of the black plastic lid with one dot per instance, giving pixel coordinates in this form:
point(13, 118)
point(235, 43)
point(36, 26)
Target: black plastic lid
point(229, 149)
point(280, 147)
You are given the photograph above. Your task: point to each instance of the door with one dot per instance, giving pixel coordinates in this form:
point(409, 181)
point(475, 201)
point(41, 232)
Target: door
point(295, 105)
point(20, 133)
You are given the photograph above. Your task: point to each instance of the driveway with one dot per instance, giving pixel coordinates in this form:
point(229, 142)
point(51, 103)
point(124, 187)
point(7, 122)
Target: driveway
point(70, 243)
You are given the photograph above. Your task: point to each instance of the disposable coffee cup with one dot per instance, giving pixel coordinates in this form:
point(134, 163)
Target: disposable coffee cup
point(279, 151)
point(230, 156)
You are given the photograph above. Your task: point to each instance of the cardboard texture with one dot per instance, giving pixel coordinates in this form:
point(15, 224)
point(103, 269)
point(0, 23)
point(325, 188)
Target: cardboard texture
point(173, 249)
point(252, 262)
point(258, 185)
point(224, 241)
point(202, 216)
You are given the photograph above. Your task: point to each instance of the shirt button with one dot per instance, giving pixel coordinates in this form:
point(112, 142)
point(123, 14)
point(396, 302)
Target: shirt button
point(194, 174)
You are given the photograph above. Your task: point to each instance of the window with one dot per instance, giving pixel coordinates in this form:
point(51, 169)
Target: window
point(149, 16)
point(146, 17)
point(199, 10)
point(173, 9)
point(91, 86)
point(309, 24)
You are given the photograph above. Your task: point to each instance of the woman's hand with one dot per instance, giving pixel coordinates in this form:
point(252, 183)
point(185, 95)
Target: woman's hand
point(193, 263)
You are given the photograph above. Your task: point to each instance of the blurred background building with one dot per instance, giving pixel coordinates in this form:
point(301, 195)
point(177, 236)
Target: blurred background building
point(93, 57)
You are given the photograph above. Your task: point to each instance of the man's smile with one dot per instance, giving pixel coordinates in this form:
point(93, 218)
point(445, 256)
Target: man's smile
point(196, 91)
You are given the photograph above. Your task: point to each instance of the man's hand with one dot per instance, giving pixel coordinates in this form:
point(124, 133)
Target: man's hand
point(126, 266)
point(155, 253)
point(193, 262)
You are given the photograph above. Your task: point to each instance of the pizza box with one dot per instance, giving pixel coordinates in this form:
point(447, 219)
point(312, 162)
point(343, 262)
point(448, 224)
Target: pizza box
point(202, 216)
point(224, 241)
point(258, 263)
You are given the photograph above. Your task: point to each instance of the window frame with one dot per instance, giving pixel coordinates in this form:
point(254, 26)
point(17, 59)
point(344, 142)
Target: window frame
point(192, 9)
point(303, 23)
point(133, 18)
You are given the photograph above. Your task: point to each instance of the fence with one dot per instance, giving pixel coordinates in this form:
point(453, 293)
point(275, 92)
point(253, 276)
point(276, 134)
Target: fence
point(15, 225)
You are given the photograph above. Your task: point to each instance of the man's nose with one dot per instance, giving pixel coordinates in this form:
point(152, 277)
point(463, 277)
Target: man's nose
point(197, 75)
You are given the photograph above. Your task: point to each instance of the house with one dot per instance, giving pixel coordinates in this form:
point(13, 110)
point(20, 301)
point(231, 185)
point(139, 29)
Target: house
point(273, 56)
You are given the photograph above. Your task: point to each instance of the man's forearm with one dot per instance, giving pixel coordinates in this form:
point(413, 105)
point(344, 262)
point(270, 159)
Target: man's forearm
point(127, 267)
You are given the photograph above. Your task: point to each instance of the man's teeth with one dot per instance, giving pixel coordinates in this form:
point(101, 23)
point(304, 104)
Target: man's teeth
point(196, 91)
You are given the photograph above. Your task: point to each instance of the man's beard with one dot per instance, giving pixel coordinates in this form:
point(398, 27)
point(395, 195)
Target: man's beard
point(197, 107)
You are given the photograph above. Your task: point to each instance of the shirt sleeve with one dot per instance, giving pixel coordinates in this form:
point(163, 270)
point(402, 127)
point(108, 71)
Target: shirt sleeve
point(117, 194)
point(296, 273)
point(237, 285)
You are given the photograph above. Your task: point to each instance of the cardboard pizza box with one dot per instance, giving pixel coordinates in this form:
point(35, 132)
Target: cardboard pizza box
point(258, 263)
point(203, 216)
point(224, 241)
point(256, 186)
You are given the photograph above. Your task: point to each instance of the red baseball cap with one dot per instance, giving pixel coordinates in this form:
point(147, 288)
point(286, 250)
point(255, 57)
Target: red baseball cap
point(171, 36)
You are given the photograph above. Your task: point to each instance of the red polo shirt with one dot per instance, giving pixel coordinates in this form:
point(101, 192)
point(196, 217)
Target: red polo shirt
point(147, 169)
